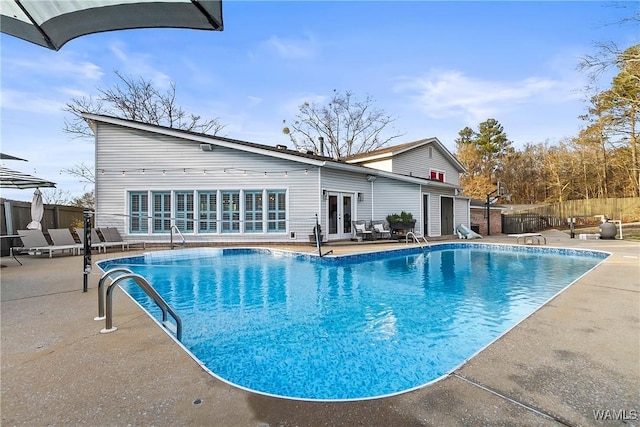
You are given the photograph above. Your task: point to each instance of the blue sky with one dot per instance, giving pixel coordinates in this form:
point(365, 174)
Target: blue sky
point(434, 66)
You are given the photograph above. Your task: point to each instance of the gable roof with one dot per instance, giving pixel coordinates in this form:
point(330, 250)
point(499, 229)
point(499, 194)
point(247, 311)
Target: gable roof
point(390, 152)
point(277, 151)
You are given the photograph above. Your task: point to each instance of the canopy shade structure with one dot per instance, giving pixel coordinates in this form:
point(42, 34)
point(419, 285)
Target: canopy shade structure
point(14, 179)
point(52, 23)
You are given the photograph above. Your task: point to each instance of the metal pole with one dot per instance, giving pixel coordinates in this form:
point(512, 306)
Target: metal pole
point(488, 217)
point(317, 233)
point(86, 268)
point(573, 231)
point(489, 212)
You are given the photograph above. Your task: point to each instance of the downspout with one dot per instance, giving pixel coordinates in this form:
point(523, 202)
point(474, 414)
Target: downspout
point(320, 215)
point(373, 205)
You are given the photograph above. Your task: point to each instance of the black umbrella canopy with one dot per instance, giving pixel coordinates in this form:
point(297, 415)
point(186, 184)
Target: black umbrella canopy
point(52, 23)
point(14, 179)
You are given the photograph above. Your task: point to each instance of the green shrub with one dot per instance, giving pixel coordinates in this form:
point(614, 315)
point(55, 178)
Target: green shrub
point(403, 217)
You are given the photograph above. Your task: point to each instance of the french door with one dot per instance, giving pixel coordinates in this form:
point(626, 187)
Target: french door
point(339, 214)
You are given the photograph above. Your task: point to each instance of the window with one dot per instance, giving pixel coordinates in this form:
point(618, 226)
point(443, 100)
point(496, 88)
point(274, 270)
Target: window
point(437, 175)
point(277, 211)
point(230, 211)
point(207, 212)
point(217, 211)
point(161, 212)
point(184, 211)
point(253, 211)
point(138, 212)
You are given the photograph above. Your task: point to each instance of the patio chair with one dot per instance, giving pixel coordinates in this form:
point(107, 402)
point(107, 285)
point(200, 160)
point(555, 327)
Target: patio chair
point(112, 235)
point(381, 230)
point(33, 241)
point(97, 242)
point(360, 228)
point(63, 237)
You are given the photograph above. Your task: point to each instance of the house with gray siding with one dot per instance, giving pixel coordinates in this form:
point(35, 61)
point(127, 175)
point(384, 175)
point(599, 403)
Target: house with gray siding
point(439, 206)
point(154, 182)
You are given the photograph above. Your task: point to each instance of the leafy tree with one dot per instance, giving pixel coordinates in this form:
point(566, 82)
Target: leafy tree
point(524, 172)
point(613, 117)
point(139, 100)
point(347, 125)
point(87, 200)
point(482, 153)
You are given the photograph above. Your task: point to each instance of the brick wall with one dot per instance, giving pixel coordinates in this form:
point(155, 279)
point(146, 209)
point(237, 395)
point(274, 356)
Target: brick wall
point(479, 217)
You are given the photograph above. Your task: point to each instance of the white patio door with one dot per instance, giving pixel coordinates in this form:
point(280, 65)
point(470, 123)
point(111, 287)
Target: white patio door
point(339, 214)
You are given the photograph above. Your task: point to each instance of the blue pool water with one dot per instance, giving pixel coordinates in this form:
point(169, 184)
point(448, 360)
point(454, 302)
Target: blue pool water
point(349, 327)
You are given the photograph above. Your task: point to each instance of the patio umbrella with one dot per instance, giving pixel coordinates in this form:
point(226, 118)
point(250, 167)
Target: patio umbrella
point(10, 178)
point(52, 23)
point(10, 157)
point(37, 211)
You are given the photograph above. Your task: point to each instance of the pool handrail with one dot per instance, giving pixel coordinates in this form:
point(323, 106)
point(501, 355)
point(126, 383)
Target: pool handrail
point(416, 238)
point(175, 227)
point(151, 293)
point(103, 279)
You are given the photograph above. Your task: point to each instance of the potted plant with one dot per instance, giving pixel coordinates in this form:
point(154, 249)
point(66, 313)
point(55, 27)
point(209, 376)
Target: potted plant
point(312, 236)
point(400, 224)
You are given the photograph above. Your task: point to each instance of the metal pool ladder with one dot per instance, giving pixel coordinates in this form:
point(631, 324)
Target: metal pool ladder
point(125, 274)
point(175, 227)
point(417, 238)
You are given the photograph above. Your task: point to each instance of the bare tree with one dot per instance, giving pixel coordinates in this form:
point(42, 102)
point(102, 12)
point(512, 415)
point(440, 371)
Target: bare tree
point(347, 125)
point(139, 100)
point(132, 99)
point(83, 171)
point(609, 54)
point(56, 196)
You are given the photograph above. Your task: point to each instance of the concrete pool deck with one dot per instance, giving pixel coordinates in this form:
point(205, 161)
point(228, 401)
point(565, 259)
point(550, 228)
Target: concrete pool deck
point(577, 355)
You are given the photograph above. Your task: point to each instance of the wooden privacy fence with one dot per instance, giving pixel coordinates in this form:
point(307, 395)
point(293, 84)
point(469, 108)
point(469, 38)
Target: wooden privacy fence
point(586, 212)
point(15, 215)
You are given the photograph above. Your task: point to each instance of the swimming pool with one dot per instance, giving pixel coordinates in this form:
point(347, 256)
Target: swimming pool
point(349, 327)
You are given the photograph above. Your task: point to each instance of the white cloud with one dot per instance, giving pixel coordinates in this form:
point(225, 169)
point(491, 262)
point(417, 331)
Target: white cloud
point(442, 94)
point(136, 65)
point(29, 102)
point(291, 48)
point(254, 101)
point(64, 66)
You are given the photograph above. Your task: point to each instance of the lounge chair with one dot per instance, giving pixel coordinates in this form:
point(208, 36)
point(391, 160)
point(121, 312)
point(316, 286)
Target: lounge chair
point(380, 230)
point(361, 230)
point(112, 235)
point(63, 237)
point(33, 241)
point(97, 242)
